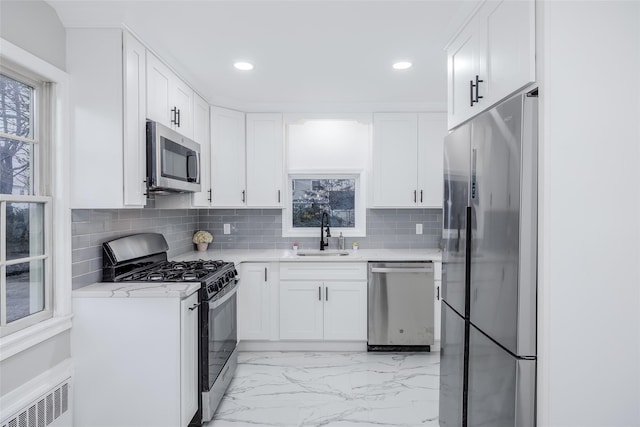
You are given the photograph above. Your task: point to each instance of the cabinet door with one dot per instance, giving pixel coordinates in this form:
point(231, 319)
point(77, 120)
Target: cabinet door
point(345, 310)
point(300, 310)
point(201, 135)
point(507, 48)
point(264, 160)
point(462, 67)
point(188, 358)
point(182, 101)
point(159, 79)
point(395, 169)
point(432, 128)
point(227, 158)
point(254, 302)
point(134, 143)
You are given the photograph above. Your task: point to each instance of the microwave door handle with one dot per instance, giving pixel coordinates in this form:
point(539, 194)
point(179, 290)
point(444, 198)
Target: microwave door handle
point(197, 167)
point(191, 155)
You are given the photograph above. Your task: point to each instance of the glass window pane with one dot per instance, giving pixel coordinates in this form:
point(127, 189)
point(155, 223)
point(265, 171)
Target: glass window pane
point(16, 107)
point(25, 289)
point(25, 230)
point(16, 159)
point(311, 197)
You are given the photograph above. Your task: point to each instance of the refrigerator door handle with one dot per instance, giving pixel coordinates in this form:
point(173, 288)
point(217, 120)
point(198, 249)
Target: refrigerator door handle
point(474, 155)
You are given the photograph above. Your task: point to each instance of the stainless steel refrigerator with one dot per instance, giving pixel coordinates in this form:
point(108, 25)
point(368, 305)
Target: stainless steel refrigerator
point(488, 341)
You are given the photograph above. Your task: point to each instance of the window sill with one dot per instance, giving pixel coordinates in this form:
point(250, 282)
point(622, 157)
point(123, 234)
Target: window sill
point(33, 335)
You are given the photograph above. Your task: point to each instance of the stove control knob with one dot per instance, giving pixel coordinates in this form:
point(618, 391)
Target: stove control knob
point(210, 288)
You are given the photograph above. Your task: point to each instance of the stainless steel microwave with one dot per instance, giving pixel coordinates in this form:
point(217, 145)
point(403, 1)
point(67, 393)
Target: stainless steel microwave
point(173, 161)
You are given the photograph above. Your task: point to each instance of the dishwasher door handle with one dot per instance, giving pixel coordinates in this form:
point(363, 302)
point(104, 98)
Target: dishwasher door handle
point(402, 270)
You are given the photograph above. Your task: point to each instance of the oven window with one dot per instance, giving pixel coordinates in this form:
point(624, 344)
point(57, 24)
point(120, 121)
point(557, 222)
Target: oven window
point(223, 336)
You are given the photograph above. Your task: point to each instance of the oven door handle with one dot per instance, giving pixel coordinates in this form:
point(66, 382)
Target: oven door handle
point(217, 302)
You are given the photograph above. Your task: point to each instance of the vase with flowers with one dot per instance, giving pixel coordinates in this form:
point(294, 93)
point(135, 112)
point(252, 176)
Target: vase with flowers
point(202, 239)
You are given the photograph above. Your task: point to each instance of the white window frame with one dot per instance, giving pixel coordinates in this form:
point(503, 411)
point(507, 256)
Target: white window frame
point(57, 190)
point(39, 173)
point(360, 229)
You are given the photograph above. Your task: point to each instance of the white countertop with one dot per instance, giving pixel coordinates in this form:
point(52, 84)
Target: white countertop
point(137, 290)
point(277, 255)
point(183, 290)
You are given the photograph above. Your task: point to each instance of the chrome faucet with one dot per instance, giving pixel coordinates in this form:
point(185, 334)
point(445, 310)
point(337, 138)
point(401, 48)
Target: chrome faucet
point(324, 244)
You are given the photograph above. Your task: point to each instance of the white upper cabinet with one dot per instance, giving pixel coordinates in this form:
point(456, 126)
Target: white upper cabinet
point(202, 135)
point(407, 159)
point(395, 170)
point(462, 66)
point(107, 116)
point(492, 57)
point(169, 99)
point(228, 181)
point(432, 129)
point(264, 160)
point(134, 143)
point(246, 159)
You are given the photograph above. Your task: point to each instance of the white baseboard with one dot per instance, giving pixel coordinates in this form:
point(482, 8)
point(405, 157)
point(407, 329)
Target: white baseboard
point(302, 346)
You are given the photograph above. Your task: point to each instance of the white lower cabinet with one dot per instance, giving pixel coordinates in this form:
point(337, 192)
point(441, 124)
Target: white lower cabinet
point(136, 361)
point(323, 301)
point(254, 301)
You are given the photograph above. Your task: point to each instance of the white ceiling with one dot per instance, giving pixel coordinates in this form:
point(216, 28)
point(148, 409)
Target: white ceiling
point(314, 56)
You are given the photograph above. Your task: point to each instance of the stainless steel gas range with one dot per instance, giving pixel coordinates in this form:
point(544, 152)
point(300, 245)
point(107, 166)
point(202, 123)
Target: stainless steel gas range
point(143, 258)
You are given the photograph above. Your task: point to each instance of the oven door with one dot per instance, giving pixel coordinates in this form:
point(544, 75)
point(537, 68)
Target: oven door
point(219, 356)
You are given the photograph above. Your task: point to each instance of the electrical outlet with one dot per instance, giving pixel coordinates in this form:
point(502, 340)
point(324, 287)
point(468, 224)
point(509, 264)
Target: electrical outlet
point(227, 228)
point(418, 228)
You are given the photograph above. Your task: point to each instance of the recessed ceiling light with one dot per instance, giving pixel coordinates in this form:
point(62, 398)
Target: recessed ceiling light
point(403, 65)
point(243, 66)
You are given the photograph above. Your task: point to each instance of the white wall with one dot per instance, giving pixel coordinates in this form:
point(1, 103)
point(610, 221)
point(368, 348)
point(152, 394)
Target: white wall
point(34, 26)
point(589, 300)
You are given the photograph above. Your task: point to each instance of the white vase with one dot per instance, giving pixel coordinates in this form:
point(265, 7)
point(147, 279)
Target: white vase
point(202, 247)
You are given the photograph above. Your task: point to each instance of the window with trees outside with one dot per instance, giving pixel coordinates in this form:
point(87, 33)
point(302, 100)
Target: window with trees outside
point(25, 264)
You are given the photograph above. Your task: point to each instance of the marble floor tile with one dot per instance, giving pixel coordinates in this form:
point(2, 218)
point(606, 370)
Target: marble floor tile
point(332, 389)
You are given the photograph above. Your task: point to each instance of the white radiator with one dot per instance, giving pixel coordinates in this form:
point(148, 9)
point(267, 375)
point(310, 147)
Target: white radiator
point(50, 409)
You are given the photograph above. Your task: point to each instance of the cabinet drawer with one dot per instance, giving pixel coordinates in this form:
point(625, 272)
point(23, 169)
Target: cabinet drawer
point(323, 271)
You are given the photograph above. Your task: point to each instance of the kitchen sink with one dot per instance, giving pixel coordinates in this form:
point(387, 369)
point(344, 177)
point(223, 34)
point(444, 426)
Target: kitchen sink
point(321, 253)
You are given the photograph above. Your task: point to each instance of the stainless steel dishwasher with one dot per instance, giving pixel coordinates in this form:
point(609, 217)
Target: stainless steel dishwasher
point(400, 306)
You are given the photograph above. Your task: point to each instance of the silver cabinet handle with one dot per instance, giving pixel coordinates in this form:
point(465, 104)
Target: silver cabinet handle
point(402, 270)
